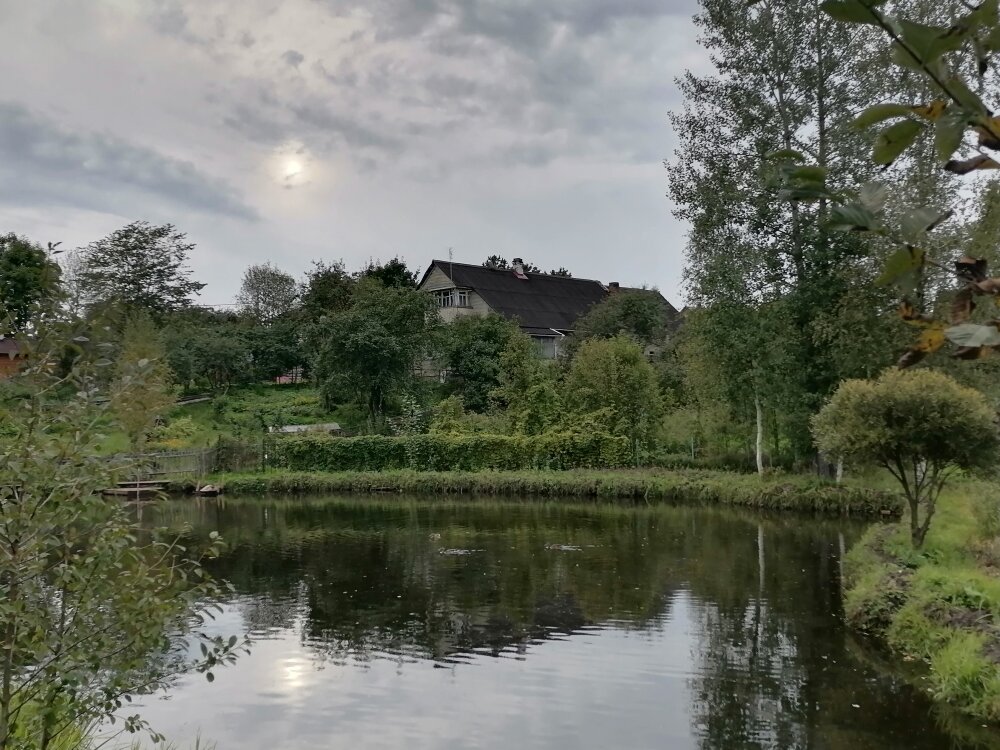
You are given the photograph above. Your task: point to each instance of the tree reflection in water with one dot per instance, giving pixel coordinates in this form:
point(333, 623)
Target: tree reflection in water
point(772, 665)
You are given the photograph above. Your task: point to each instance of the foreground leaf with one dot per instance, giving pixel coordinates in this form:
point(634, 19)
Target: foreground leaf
point(910, 357)
point(948, 134)
point(971, 269)
point(880, 113)
point(873, 196)
point(971, 352)
point(971, 165)
point(912, 316)
point(921, 220)
point(894, 140)
point(931, 339)
point(989, 286)
point(853, 217)
point(925, 44)
point(973, 335)
point(932, 111)
point(989, 133)
point(852, 11)
point(904, 262)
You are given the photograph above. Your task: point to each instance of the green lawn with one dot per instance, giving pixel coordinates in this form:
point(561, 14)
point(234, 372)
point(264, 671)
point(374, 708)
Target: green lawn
point(241, 413)
point(940, 604)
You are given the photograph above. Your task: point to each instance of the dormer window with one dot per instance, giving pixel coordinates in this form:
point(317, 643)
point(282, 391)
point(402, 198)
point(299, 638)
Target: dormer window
point(452, 298)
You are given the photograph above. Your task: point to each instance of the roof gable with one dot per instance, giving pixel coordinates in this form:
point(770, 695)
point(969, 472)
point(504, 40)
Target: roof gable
point(540, 301)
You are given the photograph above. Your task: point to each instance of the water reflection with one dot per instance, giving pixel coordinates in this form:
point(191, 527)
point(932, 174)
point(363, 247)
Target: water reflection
point(482, 625)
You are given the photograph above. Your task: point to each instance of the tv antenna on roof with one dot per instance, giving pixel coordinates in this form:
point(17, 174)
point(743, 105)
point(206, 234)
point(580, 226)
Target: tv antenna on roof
point(451, 262)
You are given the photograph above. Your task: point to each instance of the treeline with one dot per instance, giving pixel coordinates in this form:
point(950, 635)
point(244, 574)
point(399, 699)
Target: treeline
point(784, 304)
point(367, 340)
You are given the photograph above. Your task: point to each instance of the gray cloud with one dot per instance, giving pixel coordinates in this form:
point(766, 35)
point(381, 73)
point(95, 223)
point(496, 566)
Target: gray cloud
point(533, 126)
point(505, 74)
point(47, 163)
point(293, 58)
point(518, 23)
point(168, 17)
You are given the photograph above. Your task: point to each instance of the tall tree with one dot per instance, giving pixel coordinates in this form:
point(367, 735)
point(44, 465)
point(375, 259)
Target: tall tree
point(640, 314)
point(141, 267)
point(393, 272)
point(274, 349)
point(498, 261)
point(143, 385)
point(266, 293)
point(471, 348)
point(27, 277)
point(612, 380)
point(528, 388)
point(949, 48)
point(781, 69)
point(327, 289)
point(367, 353)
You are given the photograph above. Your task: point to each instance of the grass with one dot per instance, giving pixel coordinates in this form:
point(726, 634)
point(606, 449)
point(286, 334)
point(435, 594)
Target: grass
point(940, 604)
point(687, 487)
point(240, 413)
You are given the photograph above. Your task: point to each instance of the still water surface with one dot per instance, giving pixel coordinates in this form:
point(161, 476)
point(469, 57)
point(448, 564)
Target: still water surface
point(396, 624)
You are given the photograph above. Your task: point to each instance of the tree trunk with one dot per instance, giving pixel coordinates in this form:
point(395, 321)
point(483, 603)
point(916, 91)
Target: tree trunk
point(7, 674)
point(916, 537)
point(760, 434)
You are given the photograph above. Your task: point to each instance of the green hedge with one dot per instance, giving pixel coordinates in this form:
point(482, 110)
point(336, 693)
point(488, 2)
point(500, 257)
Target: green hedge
point(557, 450)
point(692, 487)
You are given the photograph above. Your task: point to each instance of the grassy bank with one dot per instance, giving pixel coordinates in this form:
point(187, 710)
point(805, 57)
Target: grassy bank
point(940, 604)
point(690, 487)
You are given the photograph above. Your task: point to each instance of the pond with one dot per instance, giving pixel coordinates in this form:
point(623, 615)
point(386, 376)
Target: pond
point(395, 623)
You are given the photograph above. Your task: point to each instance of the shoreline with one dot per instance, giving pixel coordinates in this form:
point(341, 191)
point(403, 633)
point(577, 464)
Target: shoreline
point(693, 487)
point(939, 605)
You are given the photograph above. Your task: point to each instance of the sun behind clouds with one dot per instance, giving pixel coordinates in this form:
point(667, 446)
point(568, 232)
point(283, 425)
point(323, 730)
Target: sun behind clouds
point(290, 166)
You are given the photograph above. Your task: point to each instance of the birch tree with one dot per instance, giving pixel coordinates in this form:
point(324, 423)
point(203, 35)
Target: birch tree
point(781, 72)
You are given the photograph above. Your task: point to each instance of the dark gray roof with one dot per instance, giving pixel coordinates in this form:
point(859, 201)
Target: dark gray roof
point(541, 301)
point(9, 347)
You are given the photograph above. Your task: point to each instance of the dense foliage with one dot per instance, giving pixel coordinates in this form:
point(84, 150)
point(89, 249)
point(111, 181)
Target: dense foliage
point(140, 267)
point(443, 452)
point(92, 611)
point(368, 351)
point(27, 278)
point(918, 425)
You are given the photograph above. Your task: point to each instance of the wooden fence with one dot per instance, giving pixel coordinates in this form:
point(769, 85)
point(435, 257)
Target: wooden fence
point(197, 462)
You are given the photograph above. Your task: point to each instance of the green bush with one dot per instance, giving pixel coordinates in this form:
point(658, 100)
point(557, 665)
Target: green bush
point(919, 425)
point(181, 428)
point(447, 452)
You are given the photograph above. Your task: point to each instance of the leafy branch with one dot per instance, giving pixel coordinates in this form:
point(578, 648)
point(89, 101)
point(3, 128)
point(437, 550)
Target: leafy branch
point(935, 52)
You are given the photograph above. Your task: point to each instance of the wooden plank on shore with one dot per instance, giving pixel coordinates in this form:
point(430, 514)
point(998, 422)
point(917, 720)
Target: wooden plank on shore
point(136, 492)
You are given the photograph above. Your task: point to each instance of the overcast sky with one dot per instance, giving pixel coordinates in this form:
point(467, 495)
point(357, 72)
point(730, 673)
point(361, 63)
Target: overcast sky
point(300, 130)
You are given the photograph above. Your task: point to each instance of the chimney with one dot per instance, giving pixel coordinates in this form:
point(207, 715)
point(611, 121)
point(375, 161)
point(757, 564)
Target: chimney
point(518, 267)
point(614, 287)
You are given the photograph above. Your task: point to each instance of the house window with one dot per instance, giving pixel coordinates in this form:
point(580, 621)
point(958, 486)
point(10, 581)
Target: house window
point(452, 298)
point(546, 346)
